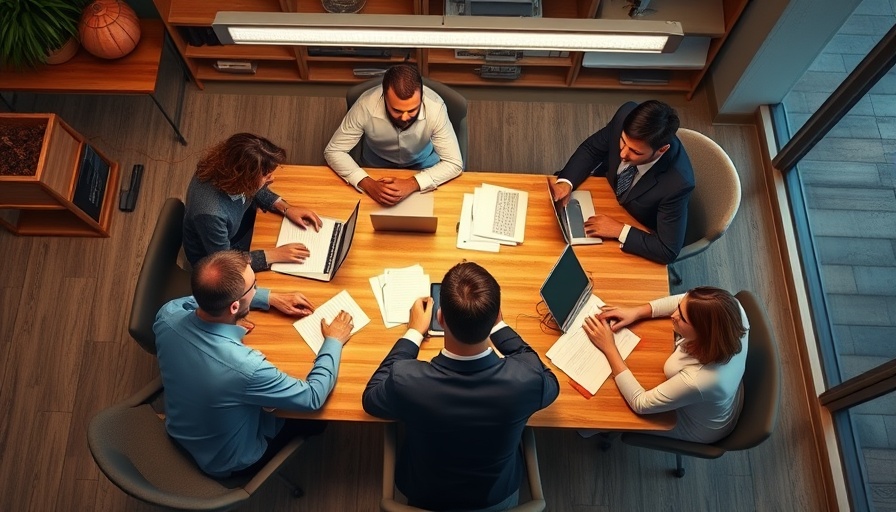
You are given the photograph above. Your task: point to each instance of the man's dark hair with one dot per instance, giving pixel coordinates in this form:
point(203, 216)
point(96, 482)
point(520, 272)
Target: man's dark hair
point(404, 80)
point(217, 280)
point(653, 122)
point(470, 301)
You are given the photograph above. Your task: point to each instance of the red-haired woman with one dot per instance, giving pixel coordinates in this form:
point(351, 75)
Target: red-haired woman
point(230, 183)
point(704, 371)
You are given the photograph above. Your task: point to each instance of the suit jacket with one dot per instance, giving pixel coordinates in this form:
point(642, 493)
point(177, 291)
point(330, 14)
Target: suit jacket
point(659, 200)
point(463, 420)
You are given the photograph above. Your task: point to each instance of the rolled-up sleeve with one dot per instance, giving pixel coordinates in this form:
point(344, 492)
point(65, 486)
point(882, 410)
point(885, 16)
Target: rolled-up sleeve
point(344, 139)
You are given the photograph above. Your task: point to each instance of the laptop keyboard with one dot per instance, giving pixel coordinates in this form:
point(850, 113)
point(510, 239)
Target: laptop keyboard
point(505, 213)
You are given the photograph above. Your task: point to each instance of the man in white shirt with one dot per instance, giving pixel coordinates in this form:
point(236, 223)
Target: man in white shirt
point(404, 125)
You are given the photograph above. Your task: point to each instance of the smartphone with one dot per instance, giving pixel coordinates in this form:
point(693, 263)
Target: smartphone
point(435, 328)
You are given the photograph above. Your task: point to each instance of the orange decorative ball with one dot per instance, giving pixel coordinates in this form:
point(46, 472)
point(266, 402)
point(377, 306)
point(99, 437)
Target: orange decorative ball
point(109, 29)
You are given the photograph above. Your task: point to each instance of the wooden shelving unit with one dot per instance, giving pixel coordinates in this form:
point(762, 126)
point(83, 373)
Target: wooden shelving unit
point(43, 204)
point(711, 19)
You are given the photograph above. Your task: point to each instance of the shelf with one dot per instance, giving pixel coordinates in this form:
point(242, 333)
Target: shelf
point(371, 7)
point(241, 52)
point(532, 76)
point(447, 57)
point(202, 12)
point(268, 71)
point(697, 17)
point(385, 61)
point(591, 78)
point(26, 206)
point(334, 72)
point(53, 223)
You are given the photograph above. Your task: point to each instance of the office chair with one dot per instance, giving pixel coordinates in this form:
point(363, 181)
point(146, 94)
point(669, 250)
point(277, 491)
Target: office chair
point(390, 443)
point(762, 394)
point(715, 199)
point(455, 103)
point(129, 443)
point(161, 279)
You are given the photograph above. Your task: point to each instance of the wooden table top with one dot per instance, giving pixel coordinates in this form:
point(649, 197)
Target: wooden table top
point(135, 73)
point(619, 279)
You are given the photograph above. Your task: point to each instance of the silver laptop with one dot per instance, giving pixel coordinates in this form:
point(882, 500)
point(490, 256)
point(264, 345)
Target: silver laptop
point(406, 223)
point(414, 214)
point(572, 217)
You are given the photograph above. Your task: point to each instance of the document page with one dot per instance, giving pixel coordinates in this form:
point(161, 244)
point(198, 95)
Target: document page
point(465, 238)
point(401, 287)
point(378, 282)
point(309, 327)
point(499, 214)
point(317, 242)
point(580, 359)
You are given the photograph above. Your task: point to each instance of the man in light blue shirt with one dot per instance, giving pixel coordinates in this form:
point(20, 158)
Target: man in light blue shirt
point(219, 393)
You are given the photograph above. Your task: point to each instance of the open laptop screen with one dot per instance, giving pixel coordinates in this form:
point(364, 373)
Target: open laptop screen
point(564, 287)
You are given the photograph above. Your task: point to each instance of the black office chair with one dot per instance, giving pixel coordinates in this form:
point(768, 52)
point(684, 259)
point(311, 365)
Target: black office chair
point(762, 394)
point(129, 443)
point(161, 279)
point(536, 503)
point(454, 102)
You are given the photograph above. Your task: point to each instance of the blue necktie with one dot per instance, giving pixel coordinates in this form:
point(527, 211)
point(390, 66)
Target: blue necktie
point(624, 180)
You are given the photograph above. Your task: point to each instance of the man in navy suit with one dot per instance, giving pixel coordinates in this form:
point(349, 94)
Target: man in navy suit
point(464, 411)
point(651, 175)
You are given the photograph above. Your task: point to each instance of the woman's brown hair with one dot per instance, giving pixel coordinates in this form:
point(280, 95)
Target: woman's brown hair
point(236, 165)
point(715, 316)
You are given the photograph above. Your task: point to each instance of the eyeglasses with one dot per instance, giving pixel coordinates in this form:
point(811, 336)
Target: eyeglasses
point(253, 287)
point(681, 314)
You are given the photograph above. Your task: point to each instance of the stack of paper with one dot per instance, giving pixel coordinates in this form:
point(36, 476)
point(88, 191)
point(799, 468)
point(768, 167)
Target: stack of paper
point(396, 290)
point(580, 359)
point(309, 327)
point(493, 215)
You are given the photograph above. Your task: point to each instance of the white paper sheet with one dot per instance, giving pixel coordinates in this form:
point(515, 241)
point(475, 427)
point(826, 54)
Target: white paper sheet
point(377, 283)
point(309, 327)
point(317, 242)
point(578, 358)
point(465, 239)
point(401, 287)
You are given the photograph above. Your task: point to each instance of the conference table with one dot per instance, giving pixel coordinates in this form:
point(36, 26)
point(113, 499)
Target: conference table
point(619, 279)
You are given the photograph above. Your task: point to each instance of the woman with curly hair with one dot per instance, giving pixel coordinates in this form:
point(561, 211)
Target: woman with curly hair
point(704, 371)
point(230, 183)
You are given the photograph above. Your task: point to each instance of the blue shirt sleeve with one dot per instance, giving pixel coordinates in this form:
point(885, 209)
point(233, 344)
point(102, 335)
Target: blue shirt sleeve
point(269, 387)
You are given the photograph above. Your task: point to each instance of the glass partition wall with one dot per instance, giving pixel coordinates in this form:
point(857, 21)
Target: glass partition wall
point(837, 132)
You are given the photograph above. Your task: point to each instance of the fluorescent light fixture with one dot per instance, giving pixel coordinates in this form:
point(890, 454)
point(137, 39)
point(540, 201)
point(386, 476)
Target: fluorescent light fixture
point(464, 32)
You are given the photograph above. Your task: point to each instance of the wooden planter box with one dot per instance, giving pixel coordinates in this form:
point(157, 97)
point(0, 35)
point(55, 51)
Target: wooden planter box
point(44, 203)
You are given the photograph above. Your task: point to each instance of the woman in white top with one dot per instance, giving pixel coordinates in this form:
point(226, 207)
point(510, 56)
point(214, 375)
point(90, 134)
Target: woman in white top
point(704, 371)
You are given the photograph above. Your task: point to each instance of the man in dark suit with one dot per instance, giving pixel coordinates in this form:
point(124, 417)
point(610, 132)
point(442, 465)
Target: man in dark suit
point(464, 412)
point(651, 174)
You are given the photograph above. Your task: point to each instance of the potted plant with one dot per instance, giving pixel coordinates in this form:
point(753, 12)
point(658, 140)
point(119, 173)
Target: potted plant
point(32, 29)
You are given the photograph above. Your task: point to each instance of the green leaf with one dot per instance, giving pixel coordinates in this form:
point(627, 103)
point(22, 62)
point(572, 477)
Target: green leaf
point(31, 28)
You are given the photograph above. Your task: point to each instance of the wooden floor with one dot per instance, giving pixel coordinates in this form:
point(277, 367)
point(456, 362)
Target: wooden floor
point(66, 353)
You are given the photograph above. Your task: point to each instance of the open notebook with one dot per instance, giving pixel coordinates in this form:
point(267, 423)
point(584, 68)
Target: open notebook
point(329, 246)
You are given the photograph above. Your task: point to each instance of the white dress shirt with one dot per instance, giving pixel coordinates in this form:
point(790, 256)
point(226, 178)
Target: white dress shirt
point(429, 139)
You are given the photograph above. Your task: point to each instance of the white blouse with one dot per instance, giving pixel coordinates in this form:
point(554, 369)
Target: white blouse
point(707, 398)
